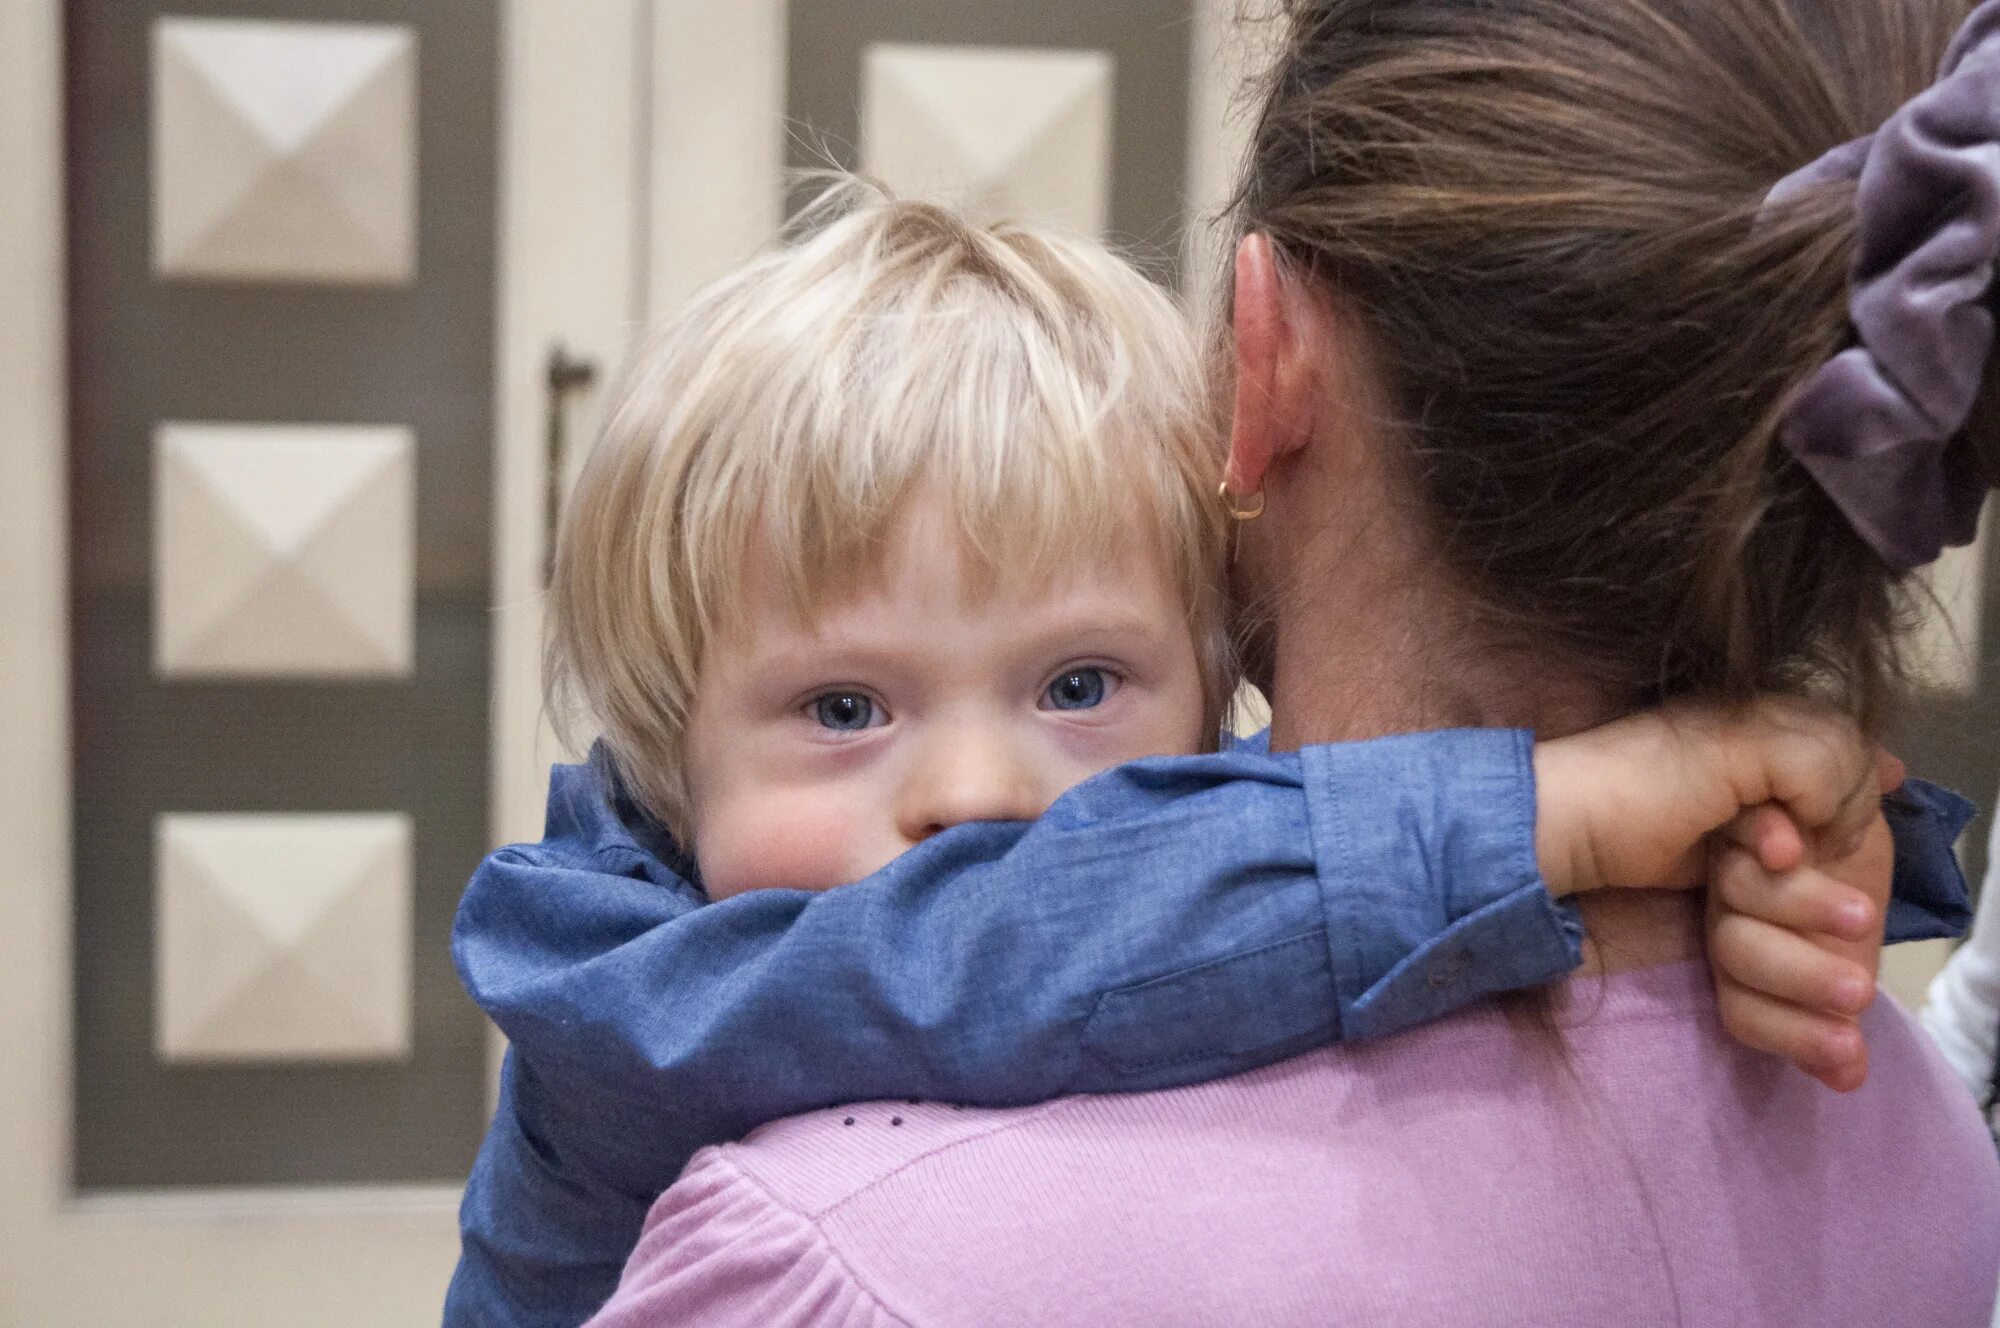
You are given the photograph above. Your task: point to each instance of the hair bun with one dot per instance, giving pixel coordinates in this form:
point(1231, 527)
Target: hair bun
point(1880, 425)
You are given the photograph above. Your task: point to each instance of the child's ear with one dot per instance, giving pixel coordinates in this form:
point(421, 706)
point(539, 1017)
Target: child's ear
point(1274, 374)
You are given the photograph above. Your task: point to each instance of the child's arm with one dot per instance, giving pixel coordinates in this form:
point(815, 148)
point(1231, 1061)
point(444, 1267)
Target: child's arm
point(1963, 1013)
point(1170, 922)
point(1165, 923)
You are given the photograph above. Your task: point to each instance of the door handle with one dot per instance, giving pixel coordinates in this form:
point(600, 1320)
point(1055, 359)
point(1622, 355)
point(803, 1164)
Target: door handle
point(563, 377)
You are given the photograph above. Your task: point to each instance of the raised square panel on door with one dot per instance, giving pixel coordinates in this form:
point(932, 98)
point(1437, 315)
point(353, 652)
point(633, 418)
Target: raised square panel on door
point(1053, 111)
point(282, 936)
point(283, 550)
point(284, 151)
point(1021, 134)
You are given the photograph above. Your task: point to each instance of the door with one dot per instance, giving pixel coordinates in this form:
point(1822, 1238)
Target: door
point(261, 384)
point(322, 304)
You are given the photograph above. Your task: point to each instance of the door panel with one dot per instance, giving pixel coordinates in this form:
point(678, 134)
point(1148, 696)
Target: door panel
point(281, 261)
point(1070, 113)
point(269, 765)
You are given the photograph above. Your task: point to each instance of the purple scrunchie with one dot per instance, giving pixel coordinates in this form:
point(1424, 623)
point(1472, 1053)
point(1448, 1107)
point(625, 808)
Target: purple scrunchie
point(1874, 425)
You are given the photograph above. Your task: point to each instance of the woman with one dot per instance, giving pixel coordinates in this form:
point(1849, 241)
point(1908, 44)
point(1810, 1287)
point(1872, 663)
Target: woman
point(1557, 408)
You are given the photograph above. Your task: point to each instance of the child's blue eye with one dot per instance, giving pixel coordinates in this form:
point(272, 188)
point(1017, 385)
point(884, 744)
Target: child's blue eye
point(846, 712)
point(1079, 689)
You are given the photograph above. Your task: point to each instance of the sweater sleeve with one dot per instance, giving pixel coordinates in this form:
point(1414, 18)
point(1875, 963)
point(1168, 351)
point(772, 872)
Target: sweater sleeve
point(720, 1252)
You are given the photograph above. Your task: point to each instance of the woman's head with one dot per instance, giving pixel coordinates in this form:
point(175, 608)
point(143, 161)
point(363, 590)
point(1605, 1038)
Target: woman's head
point(1544, 225)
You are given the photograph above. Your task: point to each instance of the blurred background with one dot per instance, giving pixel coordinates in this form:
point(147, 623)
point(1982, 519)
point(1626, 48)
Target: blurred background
point(309, 307)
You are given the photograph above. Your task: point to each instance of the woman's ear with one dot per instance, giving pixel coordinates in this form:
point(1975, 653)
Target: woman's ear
point(1274, 378)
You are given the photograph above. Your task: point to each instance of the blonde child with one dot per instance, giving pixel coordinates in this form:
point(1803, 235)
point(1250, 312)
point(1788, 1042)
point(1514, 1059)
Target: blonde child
point(900, 569)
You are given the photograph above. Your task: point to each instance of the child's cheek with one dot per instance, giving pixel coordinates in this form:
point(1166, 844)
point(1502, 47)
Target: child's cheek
point(779, 841)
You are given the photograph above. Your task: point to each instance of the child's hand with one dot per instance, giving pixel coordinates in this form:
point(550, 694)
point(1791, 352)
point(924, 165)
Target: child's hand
point(1796, 949)
point(1632, 803)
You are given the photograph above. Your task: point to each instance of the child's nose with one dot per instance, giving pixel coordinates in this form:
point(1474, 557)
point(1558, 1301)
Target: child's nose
point(968, 776)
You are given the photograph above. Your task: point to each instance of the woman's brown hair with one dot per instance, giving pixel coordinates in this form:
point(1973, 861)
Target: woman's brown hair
point(1546, 215)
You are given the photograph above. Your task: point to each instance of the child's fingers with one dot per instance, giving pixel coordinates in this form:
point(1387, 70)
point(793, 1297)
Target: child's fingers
point(1811, 759)
point(1828, 1047)
point(1770, 835)
point(1817, 754)
point(1847, 1077)
point(1788, 967)
point(1806, 900)
point(1861, 804)
point(1843, 840)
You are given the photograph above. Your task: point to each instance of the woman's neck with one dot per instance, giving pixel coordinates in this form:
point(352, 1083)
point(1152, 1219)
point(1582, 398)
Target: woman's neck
point(1628, 929)
point(1373, 655)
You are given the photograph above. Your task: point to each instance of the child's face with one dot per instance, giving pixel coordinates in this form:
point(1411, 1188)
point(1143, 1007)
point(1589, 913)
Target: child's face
point(818, 754)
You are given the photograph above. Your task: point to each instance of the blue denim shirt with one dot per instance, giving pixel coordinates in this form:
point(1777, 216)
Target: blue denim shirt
point(1171, 921)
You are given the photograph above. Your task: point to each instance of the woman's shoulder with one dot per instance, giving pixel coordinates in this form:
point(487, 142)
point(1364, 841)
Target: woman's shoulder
point(720, 1249)
point(1321, 1185)
point(815, 1162)
point(750, 1236)
point(1259, 1192)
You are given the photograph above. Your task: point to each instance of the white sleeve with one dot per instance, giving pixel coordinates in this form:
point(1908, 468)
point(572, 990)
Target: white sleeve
point(1963, 1012)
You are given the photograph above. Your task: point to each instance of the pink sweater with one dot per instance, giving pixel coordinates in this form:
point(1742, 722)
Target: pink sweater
point(1460, 1175)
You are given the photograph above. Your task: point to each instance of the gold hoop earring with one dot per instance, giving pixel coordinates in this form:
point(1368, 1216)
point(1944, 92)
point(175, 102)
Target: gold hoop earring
point(1241, 509)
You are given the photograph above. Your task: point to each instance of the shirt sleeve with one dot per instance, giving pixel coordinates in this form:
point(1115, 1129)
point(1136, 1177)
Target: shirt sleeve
point(1169, 922)
point(1930, 900)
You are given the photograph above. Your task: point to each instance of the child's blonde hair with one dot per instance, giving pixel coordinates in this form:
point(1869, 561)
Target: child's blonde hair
point(1052, 393)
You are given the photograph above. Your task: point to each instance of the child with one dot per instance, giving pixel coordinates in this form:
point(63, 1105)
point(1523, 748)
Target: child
point(910, 526)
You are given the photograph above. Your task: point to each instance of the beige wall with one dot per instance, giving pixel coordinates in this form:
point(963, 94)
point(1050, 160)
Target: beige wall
point(1233, 41)
point(34, 813)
